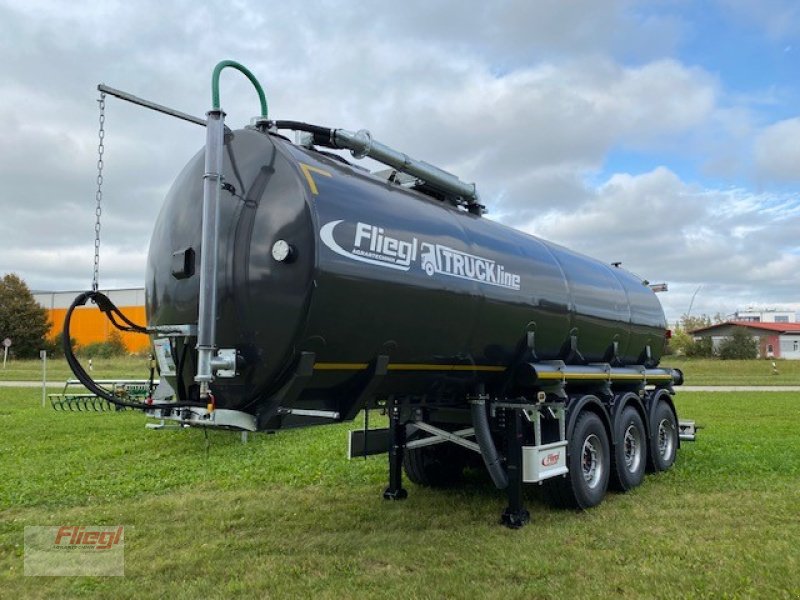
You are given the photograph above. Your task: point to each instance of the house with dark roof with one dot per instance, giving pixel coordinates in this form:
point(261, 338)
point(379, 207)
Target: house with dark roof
point(775, 340)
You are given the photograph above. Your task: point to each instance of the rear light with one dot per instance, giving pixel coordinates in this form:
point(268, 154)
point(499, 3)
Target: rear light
point(669, 334)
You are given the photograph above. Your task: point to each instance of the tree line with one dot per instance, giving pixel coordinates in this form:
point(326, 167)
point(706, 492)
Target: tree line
point(26, 324)
point(740, 345)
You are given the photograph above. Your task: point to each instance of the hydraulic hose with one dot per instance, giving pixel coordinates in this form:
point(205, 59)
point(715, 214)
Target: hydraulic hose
point(323, 136)
point(108, 307)
point(242, 69)
point(483, 436)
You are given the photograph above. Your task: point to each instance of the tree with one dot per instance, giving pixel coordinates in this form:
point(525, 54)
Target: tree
point(683, 341)
point(680, 342)
point(741, 345)
point(689, 323)
point(21, 318)
point(701, 348)
point(113, 346)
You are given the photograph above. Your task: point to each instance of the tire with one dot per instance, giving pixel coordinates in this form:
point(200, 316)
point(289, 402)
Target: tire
point(630, 451)
point(589, 463)
point(441, 465)
point(663, 437)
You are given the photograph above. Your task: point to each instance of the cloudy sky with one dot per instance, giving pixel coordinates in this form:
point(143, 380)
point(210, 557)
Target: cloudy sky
point(663, 134)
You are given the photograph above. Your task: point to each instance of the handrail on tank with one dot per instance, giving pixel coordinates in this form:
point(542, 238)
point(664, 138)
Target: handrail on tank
point(208, 361)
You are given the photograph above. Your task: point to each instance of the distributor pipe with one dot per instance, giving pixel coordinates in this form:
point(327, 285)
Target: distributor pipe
point(483, 435)
point(361, 144)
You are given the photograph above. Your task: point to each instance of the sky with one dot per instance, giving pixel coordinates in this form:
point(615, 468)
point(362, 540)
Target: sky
point(662, 134)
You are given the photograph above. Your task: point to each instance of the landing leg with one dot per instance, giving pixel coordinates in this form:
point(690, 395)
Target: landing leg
point(397, 443)
point(515, 515)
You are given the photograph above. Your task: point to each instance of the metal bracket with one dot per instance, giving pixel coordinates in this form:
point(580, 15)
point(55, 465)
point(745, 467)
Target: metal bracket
point(302, 412)
point(374, 377)
point(533, 414)
point(687, 430)
point(224, 363)
point(439, 436)
point(200, 417)
point(291, 390)
point(174, 330)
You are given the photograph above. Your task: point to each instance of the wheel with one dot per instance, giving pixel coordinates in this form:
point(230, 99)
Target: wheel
point(663, 437)
point(630, 450)
point(589, 461)
point(441, 465)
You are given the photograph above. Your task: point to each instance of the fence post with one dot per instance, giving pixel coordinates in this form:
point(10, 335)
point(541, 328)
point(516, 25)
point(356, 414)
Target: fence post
point(43, 356)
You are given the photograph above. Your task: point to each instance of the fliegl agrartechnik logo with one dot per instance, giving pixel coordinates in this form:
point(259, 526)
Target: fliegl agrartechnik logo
point(75, 550)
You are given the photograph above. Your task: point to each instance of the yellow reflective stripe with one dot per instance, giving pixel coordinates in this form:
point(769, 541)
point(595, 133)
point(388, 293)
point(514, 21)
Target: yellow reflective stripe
point(340, 366)
point(407, 367)
point(307, 170)
point(424, 367)
point(599, 376)
point(548, 376)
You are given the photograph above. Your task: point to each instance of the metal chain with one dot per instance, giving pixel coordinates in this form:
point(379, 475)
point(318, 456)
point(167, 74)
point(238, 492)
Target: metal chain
point(99, 193)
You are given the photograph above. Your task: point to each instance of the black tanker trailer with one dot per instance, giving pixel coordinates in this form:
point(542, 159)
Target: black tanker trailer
point(287, 287)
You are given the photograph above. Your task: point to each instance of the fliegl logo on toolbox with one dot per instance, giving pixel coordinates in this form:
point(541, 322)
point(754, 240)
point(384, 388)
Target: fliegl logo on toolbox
point(551, 459)
point(91, 538)
point(373, 245)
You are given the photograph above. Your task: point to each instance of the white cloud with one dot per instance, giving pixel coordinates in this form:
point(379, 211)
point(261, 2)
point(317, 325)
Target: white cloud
point(777, 151)
point(734, 243)
point(528, 99)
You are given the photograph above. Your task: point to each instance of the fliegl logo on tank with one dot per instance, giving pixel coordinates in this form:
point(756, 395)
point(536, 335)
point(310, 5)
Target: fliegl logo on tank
point(373, 245)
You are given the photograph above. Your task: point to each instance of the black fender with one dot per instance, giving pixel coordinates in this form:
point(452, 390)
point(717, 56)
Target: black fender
point(593, 403)
point(654, 398)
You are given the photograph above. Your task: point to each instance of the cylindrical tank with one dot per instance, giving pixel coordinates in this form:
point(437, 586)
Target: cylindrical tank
point(374, 269)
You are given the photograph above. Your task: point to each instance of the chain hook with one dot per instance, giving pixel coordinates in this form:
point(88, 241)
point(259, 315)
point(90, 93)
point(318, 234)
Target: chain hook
point(101, 103)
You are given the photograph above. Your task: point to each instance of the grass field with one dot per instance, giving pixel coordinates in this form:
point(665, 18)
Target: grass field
point(697, 371)
point(127, 367)
point(287, 515)
point(707, 371)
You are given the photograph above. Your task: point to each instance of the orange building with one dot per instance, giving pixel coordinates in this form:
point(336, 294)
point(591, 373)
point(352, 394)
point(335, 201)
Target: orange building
point(89, 324)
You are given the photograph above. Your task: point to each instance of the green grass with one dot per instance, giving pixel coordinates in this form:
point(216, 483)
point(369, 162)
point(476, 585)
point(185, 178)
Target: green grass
point(127, 367)
point(707, 371)
point(287, 515)
point(698, 371)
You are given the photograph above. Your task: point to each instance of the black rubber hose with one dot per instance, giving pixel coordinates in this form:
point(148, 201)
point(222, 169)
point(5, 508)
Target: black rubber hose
point(483, 435)
point(81, 373)
point(323, 136)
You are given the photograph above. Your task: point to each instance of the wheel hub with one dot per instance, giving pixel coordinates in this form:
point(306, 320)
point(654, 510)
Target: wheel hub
point(592, 461)
point(665, 438)
point(632, 448)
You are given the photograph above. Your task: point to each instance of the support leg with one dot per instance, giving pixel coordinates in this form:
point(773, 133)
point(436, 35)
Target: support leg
point(515, 515)
point(397, 443)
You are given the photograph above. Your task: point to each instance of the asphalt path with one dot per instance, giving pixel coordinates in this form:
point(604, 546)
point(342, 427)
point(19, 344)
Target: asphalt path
point(30, 384)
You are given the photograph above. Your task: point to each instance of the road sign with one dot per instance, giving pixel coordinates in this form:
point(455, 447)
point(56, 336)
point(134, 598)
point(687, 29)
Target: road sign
point(7, 342)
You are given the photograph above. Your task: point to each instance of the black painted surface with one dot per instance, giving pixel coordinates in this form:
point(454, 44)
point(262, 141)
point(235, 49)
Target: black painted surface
point(348, 307)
